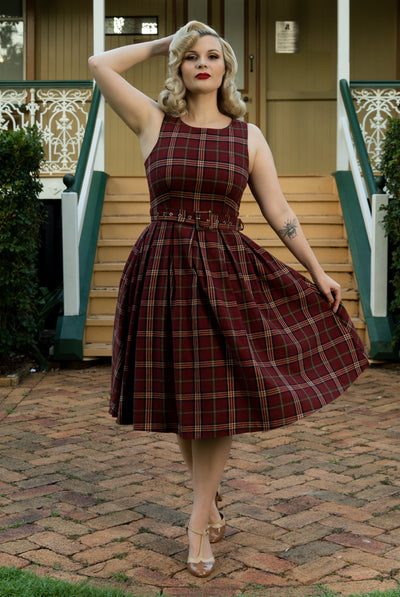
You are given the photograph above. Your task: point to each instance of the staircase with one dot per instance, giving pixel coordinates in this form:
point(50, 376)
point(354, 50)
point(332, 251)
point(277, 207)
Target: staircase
point(314, 199)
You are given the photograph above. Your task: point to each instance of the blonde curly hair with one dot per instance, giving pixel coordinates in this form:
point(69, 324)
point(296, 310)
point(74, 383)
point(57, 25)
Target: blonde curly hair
point(173, 98)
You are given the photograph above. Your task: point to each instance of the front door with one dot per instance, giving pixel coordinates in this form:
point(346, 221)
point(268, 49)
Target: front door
point(299, 72)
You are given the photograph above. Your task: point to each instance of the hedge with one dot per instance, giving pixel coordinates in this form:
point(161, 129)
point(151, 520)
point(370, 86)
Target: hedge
point(391, 170)
point(21, 214)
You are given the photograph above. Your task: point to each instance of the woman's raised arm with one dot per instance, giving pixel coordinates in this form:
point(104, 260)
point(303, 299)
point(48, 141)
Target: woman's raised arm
point(133, 106)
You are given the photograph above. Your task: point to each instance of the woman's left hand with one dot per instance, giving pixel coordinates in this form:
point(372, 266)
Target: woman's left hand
point(330, 289)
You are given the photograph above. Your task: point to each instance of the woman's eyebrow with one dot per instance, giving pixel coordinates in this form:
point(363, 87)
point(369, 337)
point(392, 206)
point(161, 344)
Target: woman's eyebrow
point(194, 51)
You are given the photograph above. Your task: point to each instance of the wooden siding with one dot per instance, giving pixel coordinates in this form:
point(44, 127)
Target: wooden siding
point(64, 39)
point(373, 39)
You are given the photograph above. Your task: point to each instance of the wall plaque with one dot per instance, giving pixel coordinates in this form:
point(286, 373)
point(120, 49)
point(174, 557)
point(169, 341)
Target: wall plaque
point(286, 37)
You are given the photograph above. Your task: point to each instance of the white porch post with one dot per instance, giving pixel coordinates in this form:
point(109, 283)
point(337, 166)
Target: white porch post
point(379, 258)
point(343, 72)
point(99, 46)
point(70, 242)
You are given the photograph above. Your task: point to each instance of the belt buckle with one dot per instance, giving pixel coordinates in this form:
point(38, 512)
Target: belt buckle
point(212, 222)
point(199, 222)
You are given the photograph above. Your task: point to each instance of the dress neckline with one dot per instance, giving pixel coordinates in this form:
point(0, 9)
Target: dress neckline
point(205, 128)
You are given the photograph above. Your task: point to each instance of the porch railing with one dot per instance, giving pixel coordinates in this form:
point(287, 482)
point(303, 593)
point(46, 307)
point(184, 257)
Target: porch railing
point(371, 199)
point(82, 203)
point(74, 204)
point(58, 108)
point(362, 202)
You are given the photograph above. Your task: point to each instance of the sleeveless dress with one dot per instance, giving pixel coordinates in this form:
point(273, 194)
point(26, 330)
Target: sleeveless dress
point(213, 336)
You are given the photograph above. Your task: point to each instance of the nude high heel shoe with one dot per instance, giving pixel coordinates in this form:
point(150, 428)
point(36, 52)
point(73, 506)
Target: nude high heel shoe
point(216, 530)
point(200, 566)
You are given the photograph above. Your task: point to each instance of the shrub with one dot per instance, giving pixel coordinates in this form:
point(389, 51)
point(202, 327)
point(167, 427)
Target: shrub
point(21, 213)
point(391, 171)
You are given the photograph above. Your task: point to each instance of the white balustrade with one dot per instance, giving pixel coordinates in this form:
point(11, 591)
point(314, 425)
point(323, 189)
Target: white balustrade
point(374, 105)
point(60, 113)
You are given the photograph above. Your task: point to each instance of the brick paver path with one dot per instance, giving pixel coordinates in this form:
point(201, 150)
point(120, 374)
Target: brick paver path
point(317, 502)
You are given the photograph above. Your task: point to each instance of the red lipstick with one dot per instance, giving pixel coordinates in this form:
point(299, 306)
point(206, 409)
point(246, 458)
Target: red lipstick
point(203, 76)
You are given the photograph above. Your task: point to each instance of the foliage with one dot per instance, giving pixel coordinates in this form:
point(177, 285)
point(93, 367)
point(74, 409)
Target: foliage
point(21, 214)
point(391, 171)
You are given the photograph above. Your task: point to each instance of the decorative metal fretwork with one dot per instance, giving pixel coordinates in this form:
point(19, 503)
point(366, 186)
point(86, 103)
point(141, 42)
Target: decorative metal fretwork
point(61, 114)
point(374, 106)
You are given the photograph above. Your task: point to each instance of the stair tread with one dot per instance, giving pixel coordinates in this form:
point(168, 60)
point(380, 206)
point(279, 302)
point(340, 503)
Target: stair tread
point(318, 242)
point(113, 266)
point(247, 196)
point(106, 320)
point(112, 291)
point(317, 183)
point(337, 218)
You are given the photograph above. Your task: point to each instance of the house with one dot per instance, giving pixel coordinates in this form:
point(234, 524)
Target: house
point(292, 55)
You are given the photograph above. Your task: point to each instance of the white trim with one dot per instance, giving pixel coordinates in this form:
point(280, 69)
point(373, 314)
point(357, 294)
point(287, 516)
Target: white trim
point(98, 47)
point(379, 258)
point(343, 72)
point(87, 179)
point(98, 26)
point(358, 180)
point(70, 244)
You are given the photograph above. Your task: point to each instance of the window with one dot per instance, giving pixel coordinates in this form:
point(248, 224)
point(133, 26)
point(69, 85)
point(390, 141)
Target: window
point(131, 26)
point(11, 40)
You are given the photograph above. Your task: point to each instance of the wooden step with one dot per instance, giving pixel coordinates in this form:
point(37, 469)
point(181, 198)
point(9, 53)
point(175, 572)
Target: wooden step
point(103, 349)
point(126, 185)
point(102, 301)
point(254, 226)
point(99, 324)
point(326, 250)
point(320, 205)
point(139, 204)
point(109, 274)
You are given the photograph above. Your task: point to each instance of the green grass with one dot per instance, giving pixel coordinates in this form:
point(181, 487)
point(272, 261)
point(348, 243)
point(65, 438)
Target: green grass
point(391, 593)
point(17, 583)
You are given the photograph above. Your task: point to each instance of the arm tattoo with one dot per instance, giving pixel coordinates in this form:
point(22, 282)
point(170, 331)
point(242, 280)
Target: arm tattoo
point(289, 230)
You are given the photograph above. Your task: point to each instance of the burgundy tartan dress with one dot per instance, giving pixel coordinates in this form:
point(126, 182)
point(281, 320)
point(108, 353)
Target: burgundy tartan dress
point(214, 336)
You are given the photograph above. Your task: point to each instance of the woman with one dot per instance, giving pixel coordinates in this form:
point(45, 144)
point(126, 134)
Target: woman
point(213, 336)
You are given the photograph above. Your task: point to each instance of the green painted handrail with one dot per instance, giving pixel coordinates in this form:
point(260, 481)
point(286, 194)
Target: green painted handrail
point(45, 84)
point(358, 138)
point(87, 140)
point(375, 84)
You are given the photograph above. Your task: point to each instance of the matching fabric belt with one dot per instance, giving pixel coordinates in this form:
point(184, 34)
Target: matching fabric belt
point(200, 219)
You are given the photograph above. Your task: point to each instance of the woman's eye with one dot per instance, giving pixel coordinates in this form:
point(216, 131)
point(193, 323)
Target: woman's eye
point(190, 57)
point(214, 56)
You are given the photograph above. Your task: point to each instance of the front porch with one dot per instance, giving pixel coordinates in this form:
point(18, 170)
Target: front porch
point(61, 110)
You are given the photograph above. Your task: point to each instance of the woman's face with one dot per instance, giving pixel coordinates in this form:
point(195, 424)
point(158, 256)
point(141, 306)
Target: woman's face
point(203, 66)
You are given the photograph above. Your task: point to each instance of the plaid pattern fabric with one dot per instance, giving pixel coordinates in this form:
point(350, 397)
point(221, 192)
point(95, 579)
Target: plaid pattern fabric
point(214, 336)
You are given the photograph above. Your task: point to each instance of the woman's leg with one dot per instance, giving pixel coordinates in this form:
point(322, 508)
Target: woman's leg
point(185, 446)
point(208, 458)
